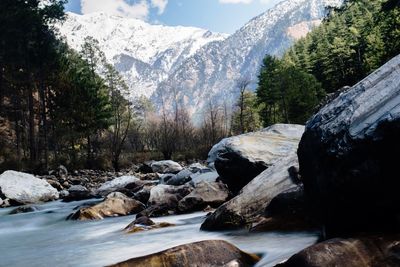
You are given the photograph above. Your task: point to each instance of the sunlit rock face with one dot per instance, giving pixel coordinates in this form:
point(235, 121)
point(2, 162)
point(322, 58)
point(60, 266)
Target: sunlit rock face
point(252, 200)
point(239, 159)
point(25, 188)
point(348, 159)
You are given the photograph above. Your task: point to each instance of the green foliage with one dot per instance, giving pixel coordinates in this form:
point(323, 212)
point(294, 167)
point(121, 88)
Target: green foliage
point(246, 117)
point(351, 43)
point(286, 93)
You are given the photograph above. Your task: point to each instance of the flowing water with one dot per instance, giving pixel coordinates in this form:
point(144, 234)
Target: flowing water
point(45, 238)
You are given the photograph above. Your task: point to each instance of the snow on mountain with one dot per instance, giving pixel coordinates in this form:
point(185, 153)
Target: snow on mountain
point(210, 74)
point(190, 66)
point(144, 54)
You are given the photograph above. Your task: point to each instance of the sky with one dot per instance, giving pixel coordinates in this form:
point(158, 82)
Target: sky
point(224, 16)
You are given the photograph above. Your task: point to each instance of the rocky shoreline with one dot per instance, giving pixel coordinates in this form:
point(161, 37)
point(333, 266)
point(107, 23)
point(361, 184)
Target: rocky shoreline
point(336, 176)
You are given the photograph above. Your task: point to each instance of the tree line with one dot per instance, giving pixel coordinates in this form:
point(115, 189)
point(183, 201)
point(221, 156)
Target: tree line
point(352, 41)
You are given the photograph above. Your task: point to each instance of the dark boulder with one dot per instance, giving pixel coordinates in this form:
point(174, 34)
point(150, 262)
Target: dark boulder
point(373, 251)
point(287, 212)
point(347, 156)
point(204, 253)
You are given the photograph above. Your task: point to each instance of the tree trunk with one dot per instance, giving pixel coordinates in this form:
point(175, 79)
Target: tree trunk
point(32, 138)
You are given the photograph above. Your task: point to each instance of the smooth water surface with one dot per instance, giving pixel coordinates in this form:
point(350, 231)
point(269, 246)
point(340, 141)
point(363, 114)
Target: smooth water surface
point(45, 238)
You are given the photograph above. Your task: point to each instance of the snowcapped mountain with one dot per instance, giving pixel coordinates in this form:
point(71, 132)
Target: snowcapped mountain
point(144, 54)
point(192, 66)
point(211, 73)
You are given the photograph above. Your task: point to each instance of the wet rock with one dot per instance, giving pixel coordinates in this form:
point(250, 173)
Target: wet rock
point(144, 223)
point(143, 195)
point(180, 178)
point(165, 194)
point(250, 204)
point(287, 212)
point(164, 178)
point(146, 167)
point(76, 193)
point(22, 209)
point(116, 204)
point(161, 210)
point(203, 253)
point(240, 159)
point(346, 156)
point(354, 252)
point(205, 194)
point(118, 184)
point(166, 166)
point(25, 188)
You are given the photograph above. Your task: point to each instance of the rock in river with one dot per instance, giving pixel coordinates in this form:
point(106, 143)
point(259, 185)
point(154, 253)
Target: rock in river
point(348, 159)
point(204, 253)
point(368, 251)
point(166, 166)
point(115, 204)
point(25, 188)
point(241, 158)
point(205, 194)
point(254, 197)
point(117, 184)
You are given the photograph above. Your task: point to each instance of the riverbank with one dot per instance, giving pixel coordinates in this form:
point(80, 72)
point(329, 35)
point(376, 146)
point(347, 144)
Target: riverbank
point(45, 237)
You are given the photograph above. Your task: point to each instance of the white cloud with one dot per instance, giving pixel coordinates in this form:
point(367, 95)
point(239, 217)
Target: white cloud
point(266, 2)
point(235, 1)
point(160, 4)
point(139, 9)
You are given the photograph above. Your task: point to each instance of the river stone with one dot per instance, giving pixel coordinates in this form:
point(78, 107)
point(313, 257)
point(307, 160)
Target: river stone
point(76, 193)
point(117, 184)
point(25, 188)
point(180, 178)
point(22, 209)
point(205, 194)
point(115, 204)
point(203, 253)
point(287, 212)
point(354, 252)
point(241, 158)
point(166, 166)
point(243, 209)
point(347, 156)
point(161, 194)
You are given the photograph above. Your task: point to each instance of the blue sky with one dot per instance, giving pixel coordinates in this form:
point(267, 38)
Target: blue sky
point(216, 15)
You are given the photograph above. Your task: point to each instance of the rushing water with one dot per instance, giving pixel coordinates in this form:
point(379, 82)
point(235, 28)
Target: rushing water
point(45, 238)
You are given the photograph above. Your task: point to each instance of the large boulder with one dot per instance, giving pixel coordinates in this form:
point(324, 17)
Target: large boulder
point(180, 178)
point(287, 212)
point(354, 252)
point(25, 188)
point(347, 156)
point(205, 194)
point(117, 184)
point(240, 158)
point(115, 204)
point(166, 166)
point(203, 253)
point(243, 209)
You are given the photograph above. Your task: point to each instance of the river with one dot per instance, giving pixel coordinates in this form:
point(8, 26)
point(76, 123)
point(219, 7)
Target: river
point(45, 238)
